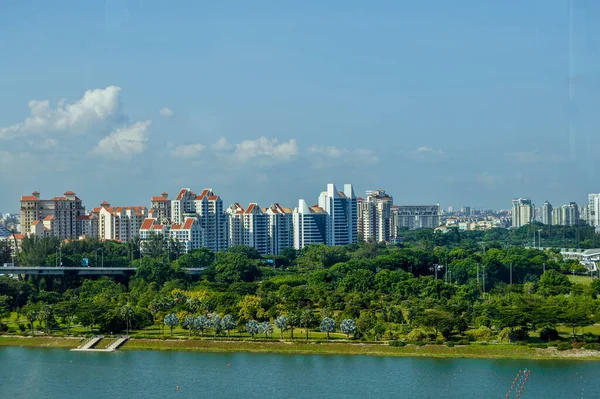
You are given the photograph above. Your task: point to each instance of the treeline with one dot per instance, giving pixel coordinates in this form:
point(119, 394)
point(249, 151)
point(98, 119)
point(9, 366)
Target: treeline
point(431, 285)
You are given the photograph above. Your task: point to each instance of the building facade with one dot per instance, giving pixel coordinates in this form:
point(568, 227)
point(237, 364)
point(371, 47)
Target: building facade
point(311, 225)
point(523, 212)
point(281, 228)
point(119, 223)
point(546, 213)
point(160, 208)
point(415, 217)
point(61, 211)
point(342, 210)
point(593, 210)
point(374, 214)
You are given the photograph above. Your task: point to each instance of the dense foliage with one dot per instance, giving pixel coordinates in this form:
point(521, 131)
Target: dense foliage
point(431, 285)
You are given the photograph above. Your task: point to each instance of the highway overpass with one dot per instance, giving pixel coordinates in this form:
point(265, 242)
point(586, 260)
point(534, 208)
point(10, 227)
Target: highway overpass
point(81, 271)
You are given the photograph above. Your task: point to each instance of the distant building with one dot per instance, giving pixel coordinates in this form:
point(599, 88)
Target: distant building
point(546, 213)
point(341, 208)
point(311, 225)
point(120, 223)
point(523, 212)
point(374, 216)
point(160, 208)
point(593, 212)
point(249, 227)
point(415, 216)
point(61, 211)
point(281, 228)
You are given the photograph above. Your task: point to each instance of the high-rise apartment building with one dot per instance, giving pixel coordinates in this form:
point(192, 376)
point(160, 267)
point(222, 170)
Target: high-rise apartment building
point(374, 216)
point(311, 225)
point(342, 211)
point(546, 212)
point(414, 217)
point(189, 234)
point(160, 208)
point(249, 227)
point(60, 214)
point(593, 213)
point(183, 205)
point(213, 219)
point(120, 223)
point(523, 212)
point(281, 228)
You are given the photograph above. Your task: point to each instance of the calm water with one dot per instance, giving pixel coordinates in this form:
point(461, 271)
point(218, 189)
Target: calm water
point(57, 373)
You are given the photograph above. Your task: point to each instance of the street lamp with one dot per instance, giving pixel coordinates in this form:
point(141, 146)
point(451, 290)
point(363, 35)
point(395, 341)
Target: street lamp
point(100, 249)
point(540, 238)
point(58, 259)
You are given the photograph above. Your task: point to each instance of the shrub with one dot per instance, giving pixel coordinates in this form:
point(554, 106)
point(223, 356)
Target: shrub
point(399, 344)
point(390, 335)
point(22, 327)
point(548, 333)
point(554, 343)
point(450, 344)
point(417, 335)
point(518, 334)
point(463, 342)
point(482, 333)
point(590, 337)
point(3, 327)
point(594, 346)
point(483, 321)
point(577, 345)
point(563, 346)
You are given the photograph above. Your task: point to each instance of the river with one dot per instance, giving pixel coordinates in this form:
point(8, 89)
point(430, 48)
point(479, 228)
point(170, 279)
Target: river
point(58, 373)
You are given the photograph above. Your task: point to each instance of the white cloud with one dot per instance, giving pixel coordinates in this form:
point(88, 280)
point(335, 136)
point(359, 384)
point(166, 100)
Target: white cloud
point(222, 145)
point(487, 179)
point(95, 106)
point(124, 141)
point(168, 112)
point(187, 151)
point(429, 149)
point(329, 156)
point(533, 157)
point(266, 149)
point(46, 144)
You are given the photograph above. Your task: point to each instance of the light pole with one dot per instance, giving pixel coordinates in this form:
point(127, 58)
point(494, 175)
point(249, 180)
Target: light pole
point(100, 249)
point(540, 239)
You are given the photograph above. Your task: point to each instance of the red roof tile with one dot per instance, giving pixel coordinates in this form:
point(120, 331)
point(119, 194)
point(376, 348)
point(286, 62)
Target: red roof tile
point(181, 194)
point(17, 236)
point(29, 198)
point(188, 224)
point(176, 227)
point(35, 223)
point(49, 217)
point(147, 224)
point(213, 198)
point(159, 199)
point(157, 227)
point(69, 193)
point(84, 217)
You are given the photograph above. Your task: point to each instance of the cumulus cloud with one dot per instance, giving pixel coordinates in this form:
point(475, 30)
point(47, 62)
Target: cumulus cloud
point(187, 151)
point(327, 156)
point(266, 150)
point(429, 149)
point(46, 144)
point(126, 140)
point(222, 145)
point(95, 106)
point(533, 157)
point(168, 112)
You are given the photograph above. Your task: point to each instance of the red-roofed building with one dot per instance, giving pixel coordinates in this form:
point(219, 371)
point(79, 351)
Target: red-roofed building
point(281, 228)
point(64, 211)
point(213, 219)
point(375, 217)
point(249, 227)
point(120, 223)
point(161, 206)
point(183, 205)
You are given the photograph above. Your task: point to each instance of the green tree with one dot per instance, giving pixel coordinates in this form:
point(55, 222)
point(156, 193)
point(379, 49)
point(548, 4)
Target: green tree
point(171, 320)
point(307, 318)
point(282, 323)
point(348, 326)
point(228, 323)
point(553, 283)
point(328, 325)
point(128, 314)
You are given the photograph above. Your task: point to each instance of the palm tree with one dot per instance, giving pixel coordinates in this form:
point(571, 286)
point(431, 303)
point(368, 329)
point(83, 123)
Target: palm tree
point(265, 327)
point(306, 318)
point(328, 325)
point(189, 323)
point(45, 313)
point(200, 323)
point(128, 313)
point(252, 327)
point(171, 320)
point(281, 323)
point(227, 323)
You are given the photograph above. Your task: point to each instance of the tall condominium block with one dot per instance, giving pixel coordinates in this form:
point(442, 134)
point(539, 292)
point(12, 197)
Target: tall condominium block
point(119, 223)
point(281, 228)
point(342, 211)
point(414, 217)
point(523, 212)
point(311, 225)
point(60, 214)
point(189, 234)
point(249, 227)
point(374, 216)
point(160, 208)
point(593, 212)
point(184, 204)
point(546, 213)
point(213, 219)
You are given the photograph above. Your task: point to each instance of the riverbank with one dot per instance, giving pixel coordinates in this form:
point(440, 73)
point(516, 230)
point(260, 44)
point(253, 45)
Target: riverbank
point(498, 351)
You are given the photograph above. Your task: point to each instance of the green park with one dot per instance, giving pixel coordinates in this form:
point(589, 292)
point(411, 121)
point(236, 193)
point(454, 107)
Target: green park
point(455, 294)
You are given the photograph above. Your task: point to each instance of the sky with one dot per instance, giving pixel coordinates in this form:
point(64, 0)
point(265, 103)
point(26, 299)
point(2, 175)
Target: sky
point(452, 103)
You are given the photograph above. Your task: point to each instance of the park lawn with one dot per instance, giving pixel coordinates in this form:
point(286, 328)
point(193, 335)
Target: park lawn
point(41, 342)
point(156, 332)
point(577, 279)
point(104, 343)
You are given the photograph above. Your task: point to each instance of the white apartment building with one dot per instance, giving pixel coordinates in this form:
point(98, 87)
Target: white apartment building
point(152, 226)
point(160, 208)
point(209, 208)
point(88, 226)
point(119, 223)
point(342, 210)
point(523, 212)
point(414, 217)
point(249, 227)
point(182, 205)
point(64, 211)
point(236, 224)
point(374, 216)
point(281, 228)
point(189, 234)
point(593, 210)
point(546, 213)
point(311, 225)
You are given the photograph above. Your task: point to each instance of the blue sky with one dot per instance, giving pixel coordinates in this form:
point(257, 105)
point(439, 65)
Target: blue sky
point(456, 103)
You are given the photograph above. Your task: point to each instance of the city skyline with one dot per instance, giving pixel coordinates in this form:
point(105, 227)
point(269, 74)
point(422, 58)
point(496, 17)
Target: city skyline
point(413, 98)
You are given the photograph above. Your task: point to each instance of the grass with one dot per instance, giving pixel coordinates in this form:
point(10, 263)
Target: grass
point(104, 343)
point(576, 279)
point(40, 342)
